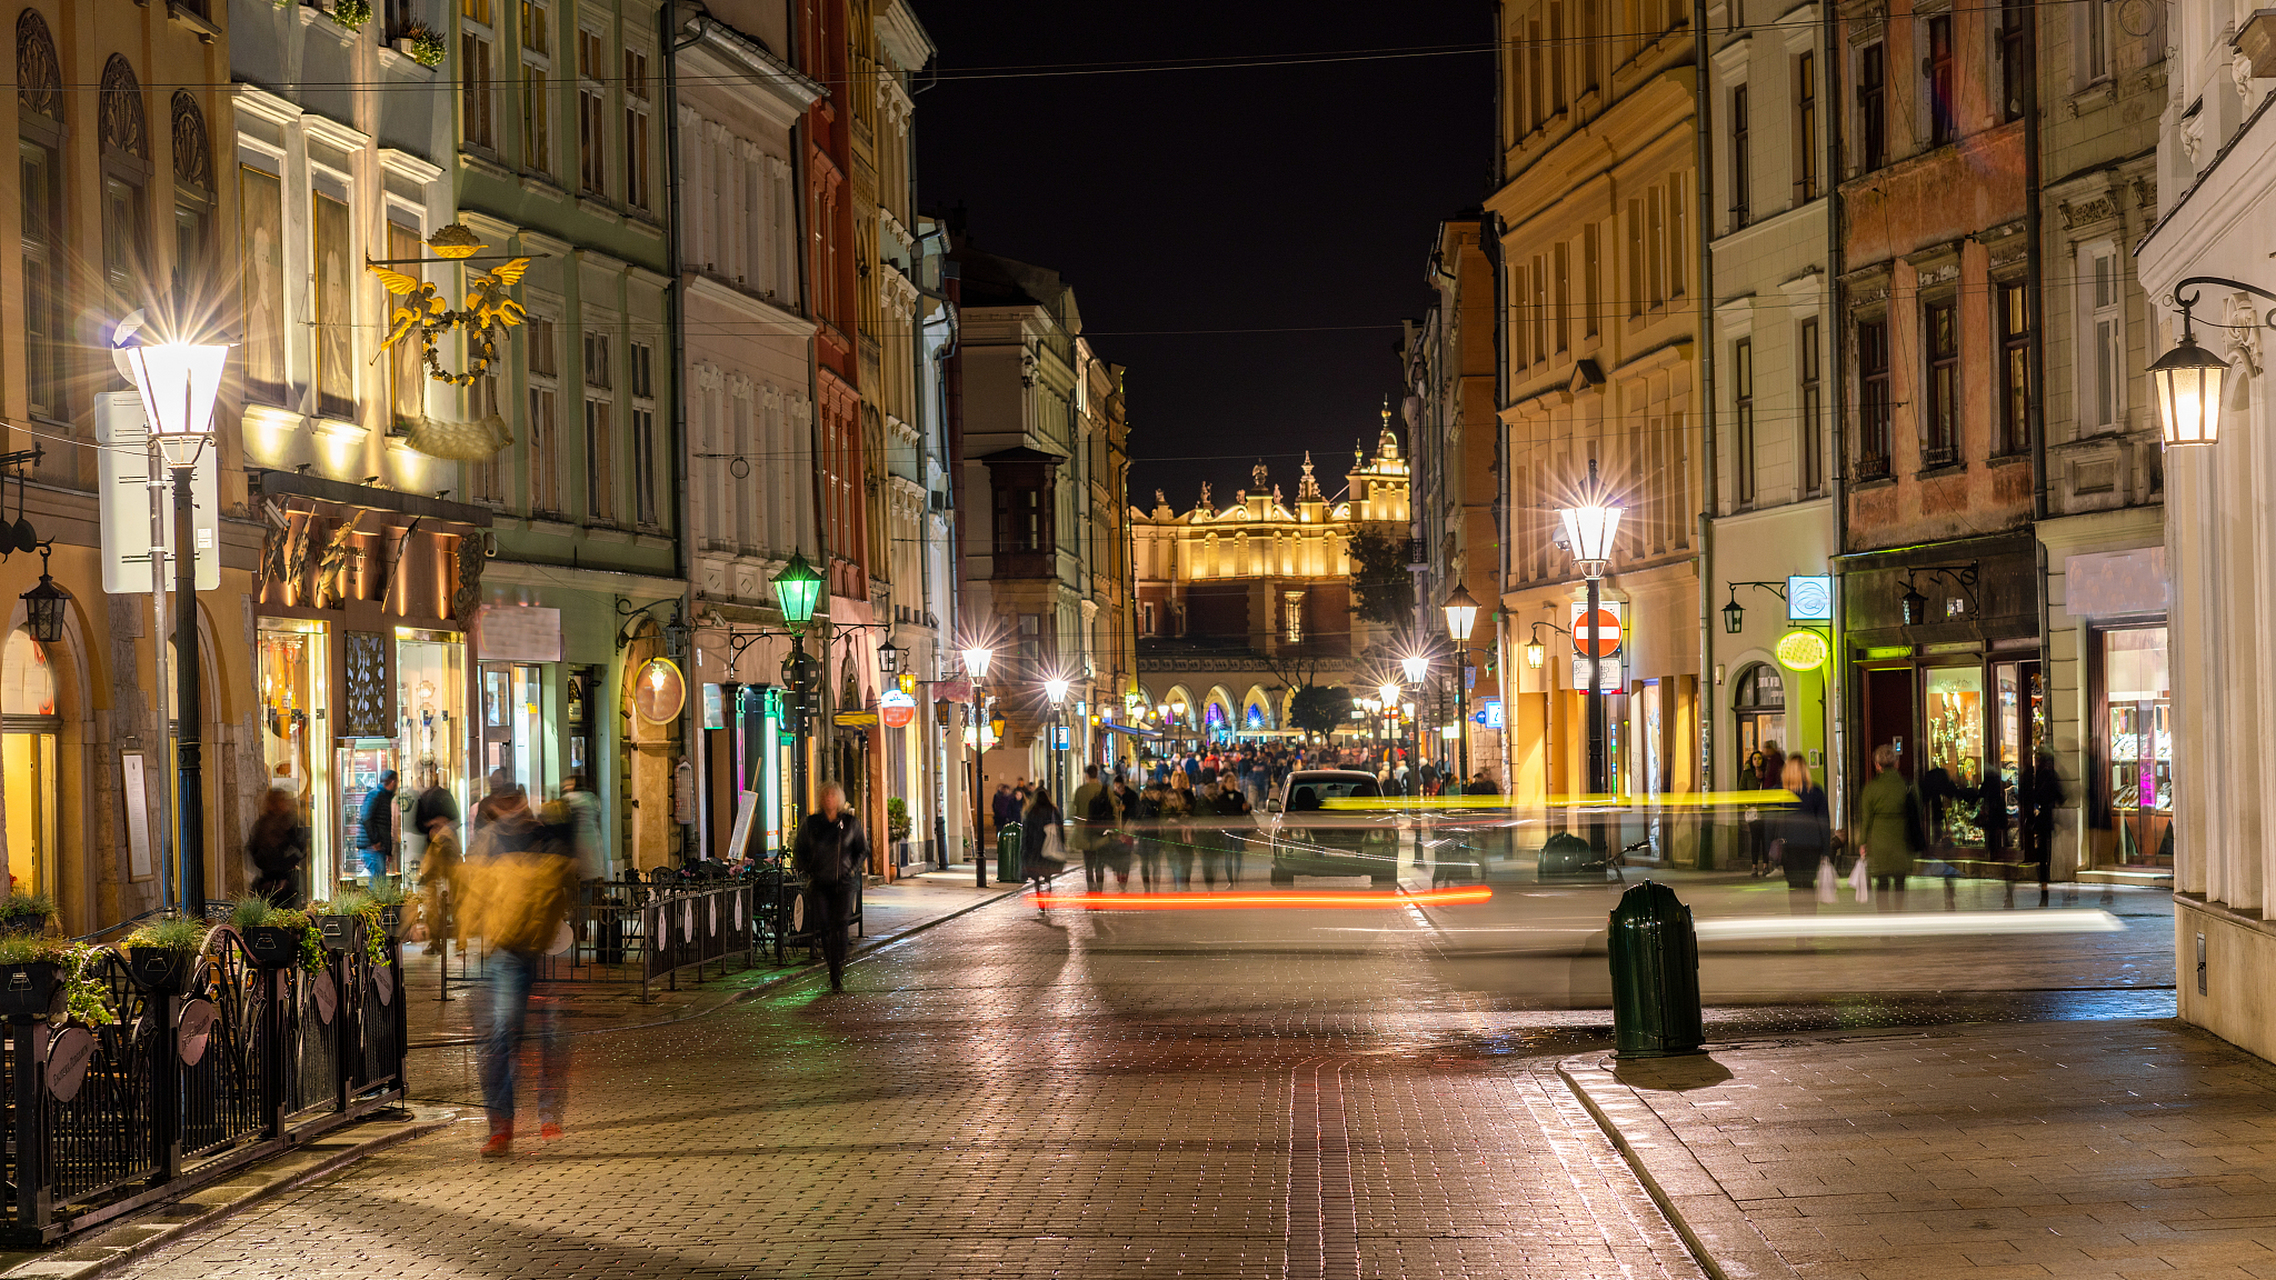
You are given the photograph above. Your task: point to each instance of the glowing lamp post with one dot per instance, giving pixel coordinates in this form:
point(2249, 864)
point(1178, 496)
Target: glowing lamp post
point(1461, 611)
point(796, 590)
point(179, 382)
point(977, 657)
point(1055, 690)
point(1590, 527)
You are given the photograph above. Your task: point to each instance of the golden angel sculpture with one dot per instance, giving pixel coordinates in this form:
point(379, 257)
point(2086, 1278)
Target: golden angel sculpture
point(423, 314)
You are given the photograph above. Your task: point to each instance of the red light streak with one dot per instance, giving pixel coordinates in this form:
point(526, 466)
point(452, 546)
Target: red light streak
point(1347, 901)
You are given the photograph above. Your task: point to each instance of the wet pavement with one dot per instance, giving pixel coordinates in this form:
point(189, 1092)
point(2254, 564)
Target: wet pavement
point(1268, 1093)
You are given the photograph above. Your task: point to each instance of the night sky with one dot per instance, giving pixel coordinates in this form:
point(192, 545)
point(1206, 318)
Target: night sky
point(1283, 197)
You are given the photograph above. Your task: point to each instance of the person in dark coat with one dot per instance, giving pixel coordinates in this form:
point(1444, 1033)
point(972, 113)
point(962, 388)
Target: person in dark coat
point(1804, 831)
point(1005, 806)
point(1041, 833)
point(277, 847)
point(2043, 795)
point(378, 827)
point(833, 854)
point(1235, 829)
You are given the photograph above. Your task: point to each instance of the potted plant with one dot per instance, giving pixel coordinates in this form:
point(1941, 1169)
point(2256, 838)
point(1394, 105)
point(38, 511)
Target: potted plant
point(421, 43)
point(337, 921)
point(352, 14)
point(32, 969)
point(389, 898)
point(159, 953)
point(25, 912)
point(278, 937)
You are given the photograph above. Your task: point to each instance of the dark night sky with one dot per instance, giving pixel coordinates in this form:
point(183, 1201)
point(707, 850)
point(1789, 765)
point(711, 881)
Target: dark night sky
point(1274, 197)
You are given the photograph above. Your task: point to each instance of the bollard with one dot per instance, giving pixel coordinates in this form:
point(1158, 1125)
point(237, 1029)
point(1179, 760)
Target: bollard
point(1008, 855)
point(1655, 975)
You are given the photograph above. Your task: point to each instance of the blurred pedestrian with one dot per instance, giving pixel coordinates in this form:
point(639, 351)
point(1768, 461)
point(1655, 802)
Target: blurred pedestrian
point(519, 886)
point(1042, 842)
point(1234, 829)
point(438, 879)
point(1801, 836)
point(584, 828)
point(1139, 809)
point(1174, 826)
point(1005, 807)
point(2042, 798)
point(833, 854)
point(1889, 829)
point(277, 846)
point(1094, 821)
point(377, 838)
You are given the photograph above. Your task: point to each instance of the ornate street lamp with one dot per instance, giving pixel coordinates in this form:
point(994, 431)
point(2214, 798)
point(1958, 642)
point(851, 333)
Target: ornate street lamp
point(178, 382)
point(1055, 688)
point(796, 590)
point(1590, 528)
point(44, 605)
point(977, 657)
point(1461, 615)
point(1734, 615)
point(889, 657)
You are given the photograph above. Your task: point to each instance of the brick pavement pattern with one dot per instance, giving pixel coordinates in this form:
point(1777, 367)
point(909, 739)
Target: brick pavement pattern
point(1220, 1095)
point(2097, 1149)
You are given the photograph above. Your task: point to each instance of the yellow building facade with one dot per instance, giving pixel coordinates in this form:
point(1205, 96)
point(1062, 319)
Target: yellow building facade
point(1600, 284)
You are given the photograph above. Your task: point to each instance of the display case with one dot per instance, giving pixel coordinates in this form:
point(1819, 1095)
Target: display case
point(358, 764)
point(2138, 742)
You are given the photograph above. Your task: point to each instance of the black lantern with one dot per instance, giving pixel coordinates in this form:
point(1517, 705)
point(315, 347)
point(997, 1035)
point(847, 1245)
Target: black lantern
point(889, 657)
point(44, 605)
point(1734, 615)
point(1915, 605)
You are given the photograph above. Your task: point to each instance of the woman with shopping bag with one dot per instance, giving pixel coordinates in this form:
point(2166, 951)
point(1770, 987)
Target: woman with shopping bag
point(1889, 826)
point(1042, 843)
point(1802, 833)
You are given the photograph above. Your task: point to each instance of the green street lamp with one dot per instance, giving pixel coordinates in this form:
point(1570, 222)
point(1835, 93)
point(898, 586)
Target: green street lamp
point(796, 591)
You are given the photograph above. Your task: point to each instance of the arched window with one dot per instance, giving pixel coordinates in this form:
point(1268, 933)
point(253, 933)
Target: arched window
point(28, 728)
point(1760, 704)
point(123, 126)
point(193, 191)
point(39, 128)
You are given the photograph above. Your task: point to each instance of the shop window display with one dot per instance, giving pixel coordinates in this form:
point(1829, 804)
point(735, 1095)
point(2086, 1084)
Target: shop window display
point(430, 699)
point(1952, 717)
point(2140, 741)
point(295, 732)
point(27, 750)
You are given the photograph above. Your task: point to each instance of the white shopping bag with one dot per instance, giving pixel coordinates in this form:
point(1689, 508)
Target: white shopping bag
point(1861, 882)
point(1827, 880)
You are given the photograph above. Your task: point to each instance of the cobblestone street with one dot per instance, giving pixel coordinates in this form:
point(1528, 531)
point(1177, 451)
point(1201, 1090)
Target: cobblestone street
point(1254, 1093)
point(1008, 1095)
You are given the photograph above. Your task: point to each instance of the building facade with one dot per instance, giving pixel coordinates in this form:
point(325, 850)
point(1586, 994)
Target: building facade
point(2215, 136)
point(560, 157)
point(1026, 438)
point(1450, 378)
point(1597, 213)
point(1773, 507)
point(1241, 605)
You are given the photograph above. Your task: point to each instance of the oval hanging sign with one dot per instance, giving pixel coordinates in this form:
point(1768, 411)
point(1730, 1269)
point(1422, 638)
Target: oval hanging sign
point(194, 1030)
point(1801, 650)
point(896, 709)
point(659, 691)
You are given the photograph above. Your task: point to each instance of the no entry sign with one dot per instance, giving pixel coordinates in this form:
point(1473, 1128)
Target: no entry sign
point(1596, 635)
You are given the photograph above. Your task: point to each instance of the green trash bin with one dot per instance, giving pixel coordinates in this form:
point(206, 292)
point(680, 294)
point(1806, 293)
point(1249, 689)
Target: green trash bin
point(1007, 855)
point(1655, 975)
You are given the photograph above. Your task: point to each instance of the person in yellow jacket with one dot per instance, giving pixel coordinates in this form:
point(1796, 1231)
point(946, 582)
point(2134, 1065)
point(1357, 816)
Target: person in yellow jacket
point(520, 883)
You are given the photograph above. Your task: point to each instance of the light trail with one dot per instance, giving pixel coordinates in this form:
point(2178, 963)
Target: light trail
point(1915, 924)
point(1346, 901)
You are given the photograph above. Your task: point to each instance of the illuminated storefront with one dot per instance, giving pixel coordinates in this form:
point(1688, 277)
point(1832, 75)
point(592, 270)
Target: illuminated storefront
point(29, 727)
point(361, 657)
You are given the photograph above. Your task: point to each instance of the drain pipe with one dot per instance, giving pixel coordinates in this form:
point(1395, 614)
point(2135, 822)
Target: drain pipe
point(1711, 482)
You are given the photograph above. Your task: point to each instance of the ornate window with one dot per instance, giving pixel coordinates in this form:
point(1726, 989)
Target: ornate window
point(193, 156)
point(39, 74)
point(123, 125)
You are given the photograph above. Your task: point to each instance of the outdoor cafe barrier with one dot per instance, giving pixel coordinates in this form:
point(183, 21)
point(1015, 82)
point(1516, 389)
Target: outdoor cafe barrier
point(645, 931)
point(216, 1059)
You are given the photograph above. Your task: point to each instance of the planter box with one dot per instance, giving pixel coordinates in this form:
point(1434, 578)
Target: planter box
point(159, 971)
point(274, 946)
point(338, 933)
point(23, 926)
point(28, 990)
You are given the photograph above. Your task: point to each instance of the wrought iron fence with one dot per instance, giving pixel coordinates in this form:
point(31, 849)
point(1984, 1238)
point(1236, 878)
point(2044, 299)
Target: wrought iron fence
point(239, 1062)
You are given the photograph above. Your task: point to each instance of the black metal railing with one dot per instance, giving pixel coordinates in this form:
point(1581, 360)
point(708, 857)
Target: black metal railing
point(240, 1062)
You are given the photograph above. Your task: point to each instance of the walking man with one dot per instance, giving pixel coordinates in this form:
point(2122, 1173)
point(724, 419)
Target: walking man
point(832, 853)
point(1093, 810)
point(520, 883)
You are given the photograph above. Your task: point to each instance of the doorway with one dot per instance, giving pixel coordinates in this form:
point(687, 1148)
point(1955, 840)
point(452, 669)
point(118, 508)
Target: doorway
point(1888, 718)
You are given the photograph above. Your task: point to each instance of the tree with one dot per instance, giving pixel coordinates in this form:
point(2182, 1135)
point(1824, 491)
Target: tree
point(1382, 587)
point(1319, 708)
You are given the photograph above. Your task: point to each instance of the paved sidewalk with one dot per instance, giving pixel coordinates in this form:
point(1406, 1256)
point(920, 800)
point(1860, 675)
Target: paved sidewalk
point(2075, 1149)
point(890, 911)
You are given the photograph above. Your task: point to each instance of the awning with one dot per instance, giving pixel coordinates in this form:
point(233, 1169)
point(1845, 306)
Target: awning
point(1135, 732)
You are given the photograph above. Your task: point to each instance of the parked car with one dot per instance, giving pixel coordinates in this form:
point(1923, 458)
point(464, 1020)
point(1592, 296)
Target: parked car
point(1310, 838)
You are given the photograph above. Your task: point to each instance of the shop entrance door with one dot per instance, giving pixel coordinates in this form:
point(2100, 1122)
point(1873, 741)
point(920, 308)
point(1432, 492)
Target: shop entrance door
point(1888, 717)
point(27, 749)
point(513, 723)
point(2019, 726)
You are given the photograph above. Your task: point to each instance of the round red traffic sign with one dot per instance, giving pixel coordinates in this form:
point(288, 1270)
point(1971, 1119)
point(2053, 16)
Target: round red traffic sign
point(1597, 635)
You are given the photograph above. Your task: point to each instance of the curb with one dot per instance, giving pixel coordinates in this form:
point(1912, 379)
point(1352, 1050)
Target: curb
point(137, 1237)
point(1722, 1239)
point(867, 948)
